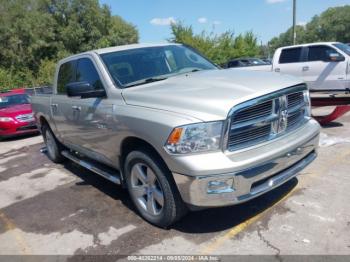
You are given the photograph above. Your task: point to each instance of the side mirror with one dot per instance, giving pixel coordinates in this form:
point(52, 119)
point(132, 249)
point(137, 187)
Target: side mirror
point(84, 90)
point(335, 57)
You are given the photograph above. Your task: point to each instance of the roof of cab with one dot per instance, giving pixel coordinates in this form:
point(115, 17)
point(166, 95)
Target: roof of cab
point(115, 49)
point(309, 44)
point(128, 47)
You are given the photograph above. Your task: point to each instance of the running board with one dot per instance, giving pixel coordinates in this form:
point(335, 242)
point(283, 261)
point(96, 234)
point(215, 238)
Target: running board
point(106, 172)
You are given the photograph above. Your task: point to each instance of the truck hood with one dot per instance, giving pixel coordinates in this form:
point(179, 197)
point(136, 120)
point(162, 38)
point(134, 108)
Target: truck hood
point(15, 110)
point(206, 95)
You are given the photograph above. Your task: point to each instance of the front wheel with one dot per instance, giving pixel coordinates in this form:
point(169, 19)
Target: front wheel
point(53, 147)
point(152, 189)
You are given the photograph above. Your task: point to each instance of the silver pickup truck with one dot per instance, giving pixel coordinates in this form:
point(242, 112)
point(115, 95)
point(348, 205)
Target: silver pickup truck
point(176, 131)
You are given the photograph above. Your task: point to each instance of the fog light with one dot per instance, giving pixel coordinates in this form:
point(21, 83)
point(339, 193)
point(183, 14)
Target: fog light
point(220, 186)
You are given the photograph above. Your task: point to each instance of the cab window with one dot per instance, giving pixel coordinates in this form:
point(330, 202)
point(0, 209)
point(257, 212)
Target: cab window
point(320, 53)
point(86, 72)
point(290, 55)
point(233, 64)
point(66, 75)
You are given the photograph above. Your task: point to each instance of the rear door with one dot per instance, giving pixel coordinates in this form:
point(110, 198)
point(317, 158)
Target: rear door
point(289, 61)
point(320, 73)
point(61, 107)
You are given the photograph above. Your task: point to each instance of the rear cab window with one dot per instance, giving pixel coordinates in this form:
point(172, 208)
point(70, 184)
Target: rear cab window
point(291, 55)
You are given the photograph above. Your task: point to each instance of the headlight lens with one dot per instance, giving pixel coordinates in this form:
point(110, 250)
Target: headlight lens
point(308, 103)
point(6, 119)
point(195, 138)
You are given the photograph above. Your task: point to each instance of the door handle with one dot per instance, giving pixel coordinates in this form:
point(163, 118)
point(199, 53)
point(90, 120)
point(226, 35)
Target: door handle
point(54, 108)
point(306, 68)
point(77, 108)
point(277, 70)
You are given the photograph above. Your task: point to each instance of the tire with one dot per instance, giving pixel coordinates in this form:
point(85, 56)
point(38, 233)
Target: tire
point(152, 189)
point(53, 147)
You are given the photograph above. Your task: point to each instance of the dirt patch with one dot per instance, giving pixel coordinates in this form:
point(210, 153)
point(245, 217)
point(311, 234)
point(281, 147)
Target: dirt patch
point(29, 159)
point(39, 175)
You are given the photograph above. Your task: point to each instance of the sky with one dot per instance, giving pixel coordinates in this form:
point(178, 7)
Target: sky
point(266, 18)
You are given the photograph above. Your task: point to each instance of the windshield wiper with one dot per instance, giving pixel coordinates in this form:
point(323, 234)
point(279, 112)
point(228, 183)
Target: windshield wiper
point(146, 81)
point(192, 71)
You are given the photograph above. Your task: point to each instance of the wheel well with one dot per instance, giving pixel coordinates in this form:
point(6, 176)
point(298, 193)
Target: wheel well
point(133, 143)
point(43, 121)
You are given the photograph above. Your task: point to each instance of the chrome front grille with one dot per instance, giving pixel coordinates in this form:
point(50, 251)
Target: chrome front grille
point(296, 109)
point(25, 118)
point(261, 110)
point(295, 99)
point(251, 135)
point(266, 118)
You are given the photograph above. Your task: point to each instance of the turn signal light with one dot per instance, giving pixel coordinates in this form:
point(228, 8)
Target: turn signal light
point(175, 136)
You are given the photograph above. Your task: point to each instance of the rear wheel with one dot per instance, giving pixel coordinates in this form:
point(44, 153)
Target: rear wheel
point(152, 189)
point(53, 147)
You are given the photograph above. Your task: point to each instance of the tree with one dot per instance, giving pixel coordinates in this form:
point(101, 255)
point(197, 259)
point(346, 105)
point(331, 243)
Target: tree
point(286, 38)
point(36, 33)
point(218, 48)
point(332, 25)
point(25, 34)
point(85, 25)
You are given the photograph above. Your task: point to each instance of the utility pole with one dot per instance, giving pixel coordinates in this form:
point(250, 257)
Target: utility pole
point(294, 21)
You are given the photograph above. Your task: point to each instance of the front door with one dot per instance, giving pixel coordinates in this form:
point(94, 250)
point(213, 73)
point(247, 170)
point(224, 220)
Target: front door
point(320, 73)
point(93, 117)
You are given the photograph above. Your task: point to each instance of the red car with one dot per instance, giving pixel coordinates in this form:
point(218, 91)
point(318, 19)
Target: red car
point(16, 115)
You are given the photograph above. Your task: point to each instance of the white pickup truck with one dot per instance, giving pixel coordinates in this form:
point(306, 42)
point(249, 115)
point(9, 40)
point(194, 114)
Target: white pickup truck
point(323, 66)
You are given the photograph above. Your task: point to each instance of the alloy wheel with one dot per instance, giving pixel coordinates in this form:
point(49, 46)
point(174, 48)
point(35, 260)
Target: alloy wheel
point(50, 143)
point(146, 189)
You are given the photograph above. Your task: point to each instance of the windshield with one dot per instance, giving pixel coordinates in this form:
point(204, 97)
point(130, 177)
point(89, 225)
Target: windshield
point(144, 65)
point(12, 100)
point(257, 61)
point(343, 47)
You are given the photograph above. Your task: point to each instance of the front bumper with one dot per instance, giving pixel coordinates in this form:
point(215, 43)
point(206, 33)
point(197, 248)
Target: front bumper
point(17, 128)
point(254, 172)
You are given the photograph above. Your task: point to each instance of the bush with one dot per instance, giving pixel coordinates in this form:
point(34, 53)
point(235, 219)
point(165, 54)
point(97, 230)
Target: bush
point(218, 48)
point(10, 78)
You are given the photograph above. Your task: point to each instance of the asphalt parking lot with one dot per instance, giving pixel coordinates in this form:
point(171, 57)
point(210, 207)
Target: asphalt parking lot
point(65, 209)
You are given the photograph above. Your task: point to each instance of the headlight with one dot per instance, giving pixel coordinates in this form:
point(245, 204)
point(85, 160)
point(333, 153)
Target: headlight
point(6, 119)
point(308, 103)
point(195, 138)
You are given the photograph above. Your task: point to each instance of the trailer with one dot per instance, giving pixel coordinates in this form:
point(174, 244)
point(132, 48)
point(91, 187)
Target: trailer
point(325, 98)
